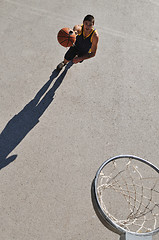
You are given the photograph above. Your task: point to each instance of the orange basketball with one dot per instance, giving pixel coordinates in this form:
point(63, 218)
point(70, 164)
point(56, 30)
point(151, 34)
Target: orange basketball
point(66, 37)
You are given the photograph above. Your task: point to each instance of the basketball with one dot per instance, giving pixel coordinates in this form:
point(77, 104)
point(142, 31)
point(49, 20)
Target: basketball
point(66, 37)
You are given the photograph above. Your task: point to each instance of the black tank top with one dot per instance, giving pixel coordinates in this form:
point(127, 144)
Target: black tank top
point(84, 43)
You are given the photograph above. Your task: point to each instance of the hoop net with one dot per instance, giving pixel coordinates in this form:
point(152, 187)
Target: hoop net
point(128, 193)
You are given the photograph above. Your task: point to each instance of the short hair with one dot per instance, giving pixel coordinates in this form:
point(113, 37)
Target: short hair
point(89, 18)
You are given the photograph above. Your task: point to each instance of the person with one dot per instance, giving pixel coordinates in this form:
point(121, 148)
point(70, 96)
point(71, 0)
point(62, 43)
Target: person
point(86, 43)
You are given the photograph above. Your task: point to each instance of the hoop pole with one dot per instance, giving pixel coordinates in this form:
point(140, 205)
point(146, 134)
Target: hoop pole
point(130, 236)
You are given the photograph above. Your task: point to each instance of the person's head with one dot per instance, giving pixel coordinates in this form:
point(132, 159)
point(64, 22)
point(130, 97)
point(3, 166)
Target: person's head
point(88, 22)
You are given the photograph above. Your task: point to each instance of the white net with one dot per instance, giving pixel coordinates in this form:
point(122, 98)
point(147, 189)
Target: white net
point(128, 192)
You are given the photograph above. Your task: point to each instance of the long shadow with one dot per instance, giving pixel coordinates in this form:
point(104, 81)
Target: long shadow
point(22, 123)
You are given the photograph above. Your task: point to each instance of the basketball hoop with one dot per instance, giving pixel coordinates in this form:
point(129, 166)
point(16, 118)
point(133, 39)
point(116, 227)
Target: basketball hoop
point(125, 196)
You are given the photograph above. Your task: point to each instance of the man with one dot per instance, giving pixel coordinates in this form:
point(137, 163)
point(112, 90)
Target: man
point(86, 43)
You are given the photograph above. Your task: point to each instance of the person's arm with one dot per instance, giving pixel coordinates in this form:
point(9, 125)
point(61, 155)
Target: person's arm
point(93, 50)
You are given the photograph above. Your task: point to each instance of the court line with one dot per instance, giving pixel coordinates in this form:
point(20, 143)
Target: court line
point(129, 36)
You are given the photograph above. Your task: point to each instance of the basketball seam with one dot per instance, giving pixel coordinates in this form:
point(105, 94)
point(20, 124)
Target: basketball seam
point(63, 41)
point(64, 31)
point(62, 36)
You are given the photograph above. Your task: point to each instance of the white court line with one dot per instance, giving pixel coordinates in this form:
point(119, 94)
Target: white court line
point(38, 11)
point(26, 6)
point(129, 36)
point(107, 30)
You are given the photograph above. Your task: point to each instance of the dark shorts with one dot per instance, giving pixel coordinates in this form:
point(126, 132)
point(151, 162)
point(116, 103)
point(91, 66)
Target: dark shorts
point(72, 52)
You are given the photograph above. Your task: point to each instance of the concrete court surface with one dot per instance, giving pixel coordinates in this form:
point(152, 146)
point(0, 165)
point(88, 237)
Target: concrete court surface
point(56, 130)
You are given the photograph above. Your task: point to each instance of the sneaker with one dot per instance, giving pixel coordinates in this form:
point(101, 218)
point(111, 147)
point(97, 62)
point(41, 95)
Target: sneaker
point(60, 66)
